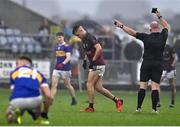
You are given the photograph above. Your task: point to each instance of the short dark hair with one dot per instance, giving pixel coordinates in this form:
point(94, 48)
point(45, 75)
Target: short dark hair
point(26, 58)
point(75, 28)
point(59, 34)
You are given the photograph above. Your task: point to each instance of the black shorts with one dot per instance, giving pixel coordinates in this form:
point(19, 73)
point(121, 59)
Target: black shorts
point(151, 70)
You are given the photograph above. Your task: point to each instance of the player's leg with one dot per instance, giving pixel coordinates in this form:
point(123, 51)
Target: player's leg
point(45, 110)
point(141, 95)
point(92, 79)
point(145, 75)
point(154, 95)
point(33, 106)
point(35, 113)
point(155, 85)
point(99, 87)
point(162, 78)
point(19, 105)
point(99, 81)
point(15, 111)
point(172, 83)
point(54, 83)
point(39, 114)
point(40, 117)
point(67, 82)
point(10, 114)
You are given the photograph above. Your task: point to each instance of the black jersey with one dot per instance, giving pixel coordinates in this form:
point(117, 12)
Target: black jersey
point(89, 41)
point(168, 58)
point(154, 44)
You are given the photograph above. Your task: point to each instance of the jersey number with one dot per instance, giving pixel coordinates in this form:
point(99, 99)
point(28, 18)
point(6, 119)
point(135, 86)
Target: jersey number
point(27, 73)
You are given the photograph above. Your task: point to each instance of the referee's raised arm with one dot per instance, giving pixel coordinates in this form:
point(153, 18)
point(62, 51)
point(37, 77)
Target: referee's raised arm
point(163, 22)
point(126, 29)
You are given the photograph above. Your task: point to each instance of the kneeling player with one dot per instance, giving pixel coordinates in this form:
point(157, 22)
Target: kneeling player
point(26, 84)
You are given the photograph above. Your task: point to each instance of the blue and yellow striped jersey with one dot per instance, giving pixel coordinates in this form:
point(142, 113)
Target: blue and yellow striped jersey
point(60, 52)
point(26, 82)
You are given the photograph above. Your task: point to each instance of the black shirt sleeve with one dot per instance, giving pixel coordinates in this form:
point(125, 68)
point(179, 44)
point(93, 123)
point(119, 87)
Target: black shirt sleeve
point(164, 33)
point(141, 36)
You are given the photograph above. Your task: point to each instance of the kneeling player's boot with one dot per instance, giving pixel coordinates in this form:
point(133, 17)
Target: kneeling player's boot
point(42, 121)
point(17, 116)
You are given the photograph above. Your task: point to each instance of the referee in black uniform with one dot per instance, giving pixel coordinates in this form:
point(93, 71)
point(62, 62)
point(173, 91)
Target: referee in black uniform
point(151, 68)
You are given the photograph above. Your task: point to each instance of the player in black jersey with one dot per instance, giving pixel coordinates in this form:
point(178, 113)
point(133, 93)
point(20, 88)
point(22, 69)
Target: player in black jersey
point(151, 68)
point(170, 59)
point(93, 51)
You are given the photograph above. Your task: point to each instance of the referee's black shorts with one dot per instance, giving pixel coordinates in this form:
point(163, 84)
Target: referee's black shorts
point(151, 70)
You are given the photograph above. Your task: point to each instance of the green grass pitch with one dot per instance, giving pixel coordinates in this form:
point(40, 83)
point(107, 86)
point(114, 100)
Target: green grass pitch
point(62, 114)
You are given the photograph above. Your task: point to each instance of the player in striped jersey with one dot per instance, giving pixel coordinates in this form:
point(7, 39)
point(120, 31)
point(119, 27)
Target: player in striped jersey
point(27, 84)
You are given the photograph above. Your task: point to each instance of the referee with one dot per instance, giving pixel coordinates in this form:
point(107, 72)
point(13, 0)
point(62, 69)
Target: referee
point(151, 68)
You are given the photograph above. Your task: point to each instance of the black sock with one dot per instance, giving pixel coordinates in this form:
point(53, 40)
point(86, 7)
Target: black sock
point(141, 95)
point(172, 102)
point(154, 98)
point(73, 99)
point(115, 99)
point(91, 105)
point(44, 115)
point(32, 114)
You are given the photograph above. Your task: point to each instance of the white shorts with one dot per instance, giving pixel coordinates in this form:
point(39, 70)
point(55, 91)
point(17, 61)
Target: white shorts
point(61, 74)
point(24, 103)
point(100, 70)
point(169, 75)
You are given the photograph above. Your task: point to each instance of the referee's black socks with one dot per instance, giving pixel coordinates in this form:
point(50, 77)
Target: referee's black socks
point(154, 98)
point(141, 95)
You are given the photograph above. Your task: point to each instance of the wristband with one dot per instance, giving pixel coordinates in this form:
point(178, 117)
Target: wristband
point(122, 26)
point(159, 17)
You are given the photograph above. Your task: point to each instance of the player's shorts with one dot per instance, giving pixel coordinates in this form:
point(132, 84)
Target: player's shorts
point(24, 103)
point(62, 74)
point(151, 70)
point(169, 74)
point(100, 70)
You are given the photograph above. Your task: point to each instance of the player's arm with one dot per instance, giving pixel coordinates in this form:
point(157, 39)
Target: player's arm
point(68, 58)
point(175, 59)
point(11, 82)
point(47, 100)
point(68, 55)
point(126, 29)
point(163, 22)
point(46, 91)
point(97, 52)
